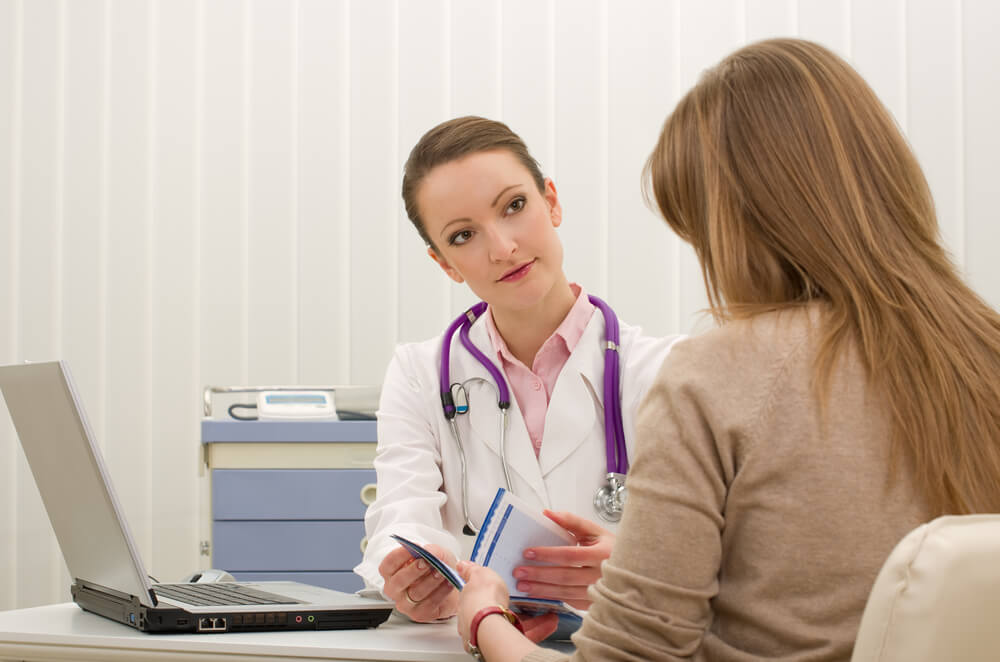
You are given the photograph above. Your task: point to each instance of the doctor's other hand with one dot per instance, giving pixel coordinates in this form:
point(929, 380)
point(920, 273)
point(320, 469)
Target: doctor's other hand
point(571, 569)
point(418, 590)
point(483, 588)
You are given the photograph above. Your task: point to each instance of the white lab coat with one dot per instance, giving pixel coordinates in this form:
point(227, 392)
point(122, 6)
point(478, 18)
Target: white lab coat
point(417, 460)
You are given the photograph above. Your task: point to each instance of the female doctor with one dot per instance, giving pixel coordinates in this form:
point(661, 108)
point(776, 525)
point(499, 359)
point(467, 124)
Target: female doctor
point(489, 219)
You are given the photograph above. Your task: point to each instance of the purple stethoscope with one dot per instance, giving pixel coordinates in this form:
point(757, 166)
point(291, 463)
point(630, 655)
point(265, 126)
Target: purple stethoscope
point(609, 501)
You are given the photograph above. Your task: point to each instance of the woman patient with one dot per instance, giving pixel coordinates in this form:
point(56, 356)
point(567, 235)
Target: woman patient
point(850, 393)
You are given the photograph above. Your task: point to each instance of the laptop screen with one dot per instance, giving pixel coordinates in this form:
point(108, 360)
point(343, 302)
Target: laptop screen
point(72, 479)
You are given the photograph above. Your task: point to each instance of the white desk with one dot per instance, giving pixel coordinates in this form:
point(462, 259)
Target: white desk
point(65, 632)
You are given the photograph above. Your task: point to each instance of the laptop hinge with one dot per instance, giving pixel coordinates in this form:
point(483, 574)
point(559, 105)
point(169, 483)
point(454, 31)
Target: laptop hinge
point(97, 588)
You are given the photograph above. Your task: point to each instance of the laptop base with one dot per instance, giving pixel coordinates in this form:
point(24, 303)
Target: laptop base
point(165, 619)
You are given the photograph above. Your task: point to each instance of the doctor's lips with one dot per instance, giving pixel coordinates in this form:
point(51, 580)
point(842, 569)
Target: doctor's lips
point(517, 273)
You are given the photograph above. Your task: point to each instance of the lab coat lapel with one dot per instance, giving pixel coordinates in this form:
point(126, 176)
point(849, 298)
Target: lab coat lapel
point(577, 400)
point(484, 418)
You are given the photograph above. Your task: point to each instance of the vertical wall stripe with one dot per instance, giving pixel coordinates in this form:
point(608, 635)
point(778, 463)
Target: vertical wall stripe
point(347, 358)
point(202, 500)
point(59, 225)
point(675, 318)
point(17, 112)
point(60, 192)
point(551, 75)
point(247, 154)
point(104, 223)
point(152, 175)
point(848, 31)
point(603, 216)
point(391, 174)
point(904, 68)
point(296, 317)
point(959, 248)
point(448, 301)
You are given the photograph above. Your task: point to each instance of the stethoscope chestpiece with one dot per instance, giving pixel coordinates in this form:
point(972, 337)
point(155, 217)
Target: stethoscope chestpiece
point(609, 501)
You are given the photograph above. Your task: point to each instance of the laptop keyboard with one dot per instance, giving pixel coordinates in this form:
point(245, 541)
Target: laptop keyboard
point(218, 594)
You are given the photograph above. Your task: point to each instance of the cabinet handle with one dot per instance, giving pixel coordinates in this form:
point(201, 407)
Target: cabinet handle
point(364, 544)
point(368, 494)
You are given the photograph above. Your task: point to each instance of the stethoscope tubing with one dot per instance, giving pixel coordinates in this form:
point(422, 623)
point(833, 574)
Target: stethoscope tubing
point(616, 454)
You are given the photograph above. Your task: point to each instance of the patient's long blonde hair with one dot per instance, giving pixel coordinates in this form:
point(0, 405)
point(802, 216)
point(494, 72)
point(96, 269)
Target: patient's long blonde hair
point(793, 184)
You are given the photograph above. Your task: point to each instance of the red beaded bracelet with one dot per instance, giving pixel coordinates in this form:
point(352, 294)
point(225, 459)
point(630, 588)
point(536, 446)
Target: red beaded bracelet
point(478, 618)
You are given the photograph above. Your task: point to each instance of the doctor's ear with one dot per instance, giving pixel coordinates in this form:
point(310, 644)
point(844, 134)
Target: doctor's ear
point(552, 198)
point(445, 267)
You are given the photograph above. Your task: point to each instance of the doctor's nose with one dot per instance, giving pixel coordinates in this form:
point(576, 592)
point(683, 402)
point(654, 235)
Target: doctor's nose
point(502, 246)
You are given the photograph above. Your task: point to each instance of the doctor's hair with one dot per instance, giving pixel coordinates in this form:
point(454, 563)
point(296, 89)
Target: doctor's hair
point(452, 140)
point(794, 185)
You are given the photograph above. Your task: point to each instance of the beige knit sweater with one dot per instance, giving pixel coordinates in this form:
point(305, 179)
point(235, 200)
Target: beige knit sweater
point(751, 532)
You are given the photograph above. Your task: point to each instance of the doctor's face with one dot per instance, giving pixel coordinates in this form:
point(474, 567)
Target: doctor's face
point(494, 229)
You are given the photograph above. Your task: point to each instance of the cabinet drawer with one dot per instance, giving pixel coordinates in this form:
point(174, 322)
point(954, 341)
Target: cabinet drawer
point(297, 494)
point(347, 582)
point(241, 546)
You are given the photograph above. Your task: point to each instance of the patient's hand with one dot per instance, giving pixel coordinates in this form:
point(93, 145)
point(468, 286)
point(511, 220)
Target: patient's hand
point(573, 569)
point(418, 590)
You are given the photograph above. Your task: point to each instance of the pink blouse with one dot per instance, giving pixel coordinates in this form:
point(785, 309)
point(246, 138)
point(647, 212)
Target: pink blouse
point(532, 387)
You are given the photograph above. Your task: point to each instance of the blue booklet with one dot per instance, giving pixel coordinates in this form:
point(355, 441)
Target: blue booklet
point(511, 525)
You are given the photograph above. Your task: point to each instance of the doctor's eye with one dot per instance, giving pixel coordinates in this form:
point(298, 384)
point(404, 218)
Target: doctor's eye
point(516, 205)
point(460, 237)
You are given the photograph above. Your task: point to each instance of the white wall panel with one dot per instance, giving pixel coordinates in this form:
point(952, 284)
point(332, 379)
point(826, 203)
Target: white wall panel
point(476, 79)
point(84, 116)
point(878, 51)
point(129, 251)
point(223, 194)
point(174, 483)
point(641, 249)
point(85, 64)
point(828, 22)
point(204, 192)
point(10, 72)
point(981, 141)
point(934, 109)
point(707, 31)
point(424, 81)
point(581, 139)
point(374, 171)
point(527, 69)
point(39, 295)
point(323, 145)
point(771, 18)
point(273, 161)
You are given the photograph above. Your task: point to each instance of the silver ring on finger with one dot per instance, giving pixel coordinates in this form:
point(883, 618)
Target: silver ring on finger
point(409, 598)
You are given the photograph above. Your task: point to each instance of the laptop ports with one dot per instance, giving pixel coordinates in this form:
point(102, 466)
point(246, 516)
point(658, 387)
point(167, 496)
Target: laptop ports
point(212, 624)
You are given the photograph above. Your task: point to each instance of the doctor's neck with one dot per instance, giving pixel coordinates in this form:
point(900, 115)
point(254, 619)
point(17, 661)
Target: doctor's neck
point(525, 330)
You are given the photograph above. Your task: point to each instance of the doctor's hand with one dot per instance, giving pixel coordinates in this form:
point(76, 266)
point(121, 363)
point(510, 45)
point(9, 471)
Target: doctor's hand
point(572, 569)
point(418, 590)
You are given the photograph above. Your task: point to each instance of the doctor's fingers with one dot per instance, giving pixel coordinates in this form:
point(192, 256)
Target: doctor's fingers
point(440, 603)
point(394, 561)
point(574, 596)
point(590, 555)
point(555, 576)
point(586, 531)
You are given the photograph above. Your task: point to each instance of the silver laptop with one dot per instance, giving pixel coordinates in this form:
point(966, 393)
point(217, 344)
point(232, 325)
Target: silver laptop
point(108, 575)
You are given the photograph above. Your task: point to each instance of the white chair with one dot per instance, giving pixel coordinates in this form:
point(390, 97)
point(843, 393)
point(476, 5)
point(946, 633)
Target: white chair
point(937, 598)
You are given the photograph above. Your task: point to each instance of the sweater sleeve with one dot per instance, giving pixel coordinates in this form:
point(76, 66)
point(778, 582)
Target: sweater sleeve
point(653, 601)
point(544, 655)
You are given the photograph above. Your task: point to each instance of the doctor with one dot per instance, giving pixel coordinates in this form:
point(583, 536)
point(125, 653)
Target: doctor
point(489, 219)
